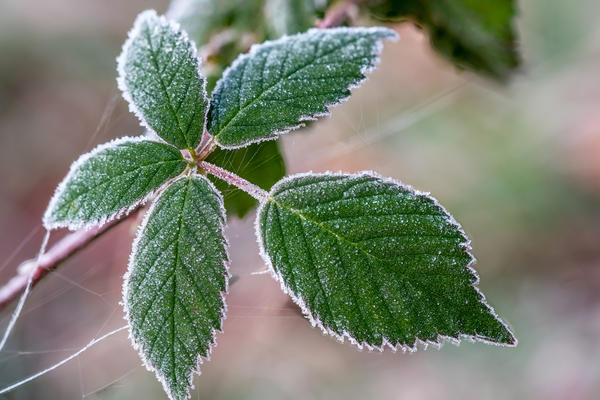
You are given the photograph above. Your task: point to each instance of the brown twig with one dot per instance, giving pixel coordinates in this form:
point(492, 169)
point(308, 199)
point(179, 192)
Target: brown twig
point(59, 252)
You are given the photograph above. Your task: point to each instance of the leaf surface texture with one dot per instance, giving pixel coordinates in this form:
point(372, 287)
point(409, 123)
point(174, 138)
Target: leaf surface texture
point(374, 261)
point(279, 85)
point(159, 76)
point(176, 281)
point(110, 180)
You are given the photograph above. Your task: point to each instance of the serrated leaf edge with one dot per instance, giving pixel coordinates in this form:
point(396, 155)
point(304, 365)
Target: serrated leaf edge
point(76, 225)
point(419, 343)
point(175, 26)
point(375, 52)
point(223, 313)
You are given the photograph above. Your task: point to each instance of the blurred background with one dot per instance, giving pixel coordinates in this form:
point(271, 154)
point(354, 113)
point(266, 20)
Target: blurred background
point(518, 165)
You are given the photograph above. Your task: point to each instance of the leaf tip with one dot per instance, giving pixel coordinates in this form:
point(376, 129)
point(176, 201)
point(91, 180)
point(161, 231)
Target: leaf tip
point(507, 337)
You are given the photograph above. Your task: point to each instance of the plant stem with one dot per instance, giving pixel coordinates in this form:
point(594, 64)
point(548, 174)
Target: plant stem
point(207, 145)
point(235, 180)
point(59, 252)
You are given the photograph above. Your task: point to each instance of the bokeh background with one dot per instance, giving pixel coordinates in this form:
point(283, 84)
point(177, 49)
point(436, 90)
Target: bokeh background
point(517, 165)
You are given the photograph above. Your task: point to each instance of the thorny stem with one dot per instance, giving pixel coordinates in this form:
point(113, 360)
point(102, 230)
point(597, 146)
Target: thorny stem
point(235, 180)
point(72, 243)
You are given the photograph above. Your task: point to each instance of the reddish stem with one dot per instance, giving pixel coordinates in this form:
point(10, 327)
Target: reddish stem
point(235, 180)
point(206, 146)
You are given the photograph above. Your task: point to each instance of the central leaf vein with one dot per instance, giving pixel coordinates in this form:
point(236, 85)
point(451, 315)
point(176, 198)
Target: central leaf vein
point(153, 57)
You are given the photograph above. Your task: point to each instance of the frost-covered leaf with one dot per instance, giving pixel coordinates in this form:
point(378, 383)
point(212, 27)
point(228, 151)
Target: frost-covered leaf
point(476, 35)
point(374, 261)
point(176, 280)
point(260, 163)
point(110, 180)
point(159, 76)
point(280, 84)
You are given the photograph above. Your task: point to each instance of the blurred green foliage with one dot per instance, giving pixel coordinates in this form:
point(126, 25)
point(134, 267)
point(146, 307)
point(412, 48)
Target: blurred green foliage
point(475, 35)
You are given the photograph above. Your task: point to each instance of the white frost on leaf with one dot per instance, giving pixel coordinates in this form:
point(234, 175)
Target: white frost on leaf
point(185, 44)
point(126, 291)
point(346, 335)
point(51, 223)
point(327, 93)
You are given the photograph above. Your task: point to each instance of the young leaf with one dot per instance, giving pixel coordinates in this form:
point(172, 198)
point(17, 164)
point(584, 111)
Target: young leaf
point(280, 84)
point(260, 163)
point(199, 18)
point(374, 261)
point(111, 180)
point(159, 76)
point(476, 35)
point(287, 17)
point(177, 277)
point(202, 19)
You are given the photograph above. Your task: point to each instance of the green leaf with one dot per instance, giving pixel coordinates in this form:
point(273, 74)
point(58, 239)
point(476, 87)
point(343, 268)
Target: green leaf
point(199, 18)
point(202, 19)
point(287, 17)
point(476, 35)
point(111, 180)
point(374, 261)
point(260, 163)
point(159, 76)
point(280, 84)
point(221, 30)
point(177, 277)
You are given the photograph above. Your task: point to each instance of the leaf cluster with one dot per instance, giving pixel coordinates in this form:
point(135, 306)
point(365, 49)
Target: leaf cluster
point(368, 259)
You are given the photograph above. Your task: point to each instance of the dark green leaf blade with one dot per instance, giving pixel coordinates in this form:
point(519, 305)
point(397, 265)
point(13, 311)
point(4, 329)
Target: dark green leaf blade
point(174, 289)
point(159, 76)
point(111, 180)
point(476, 35)
point(373, 261)
point(279, 85)
point(260, 163)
